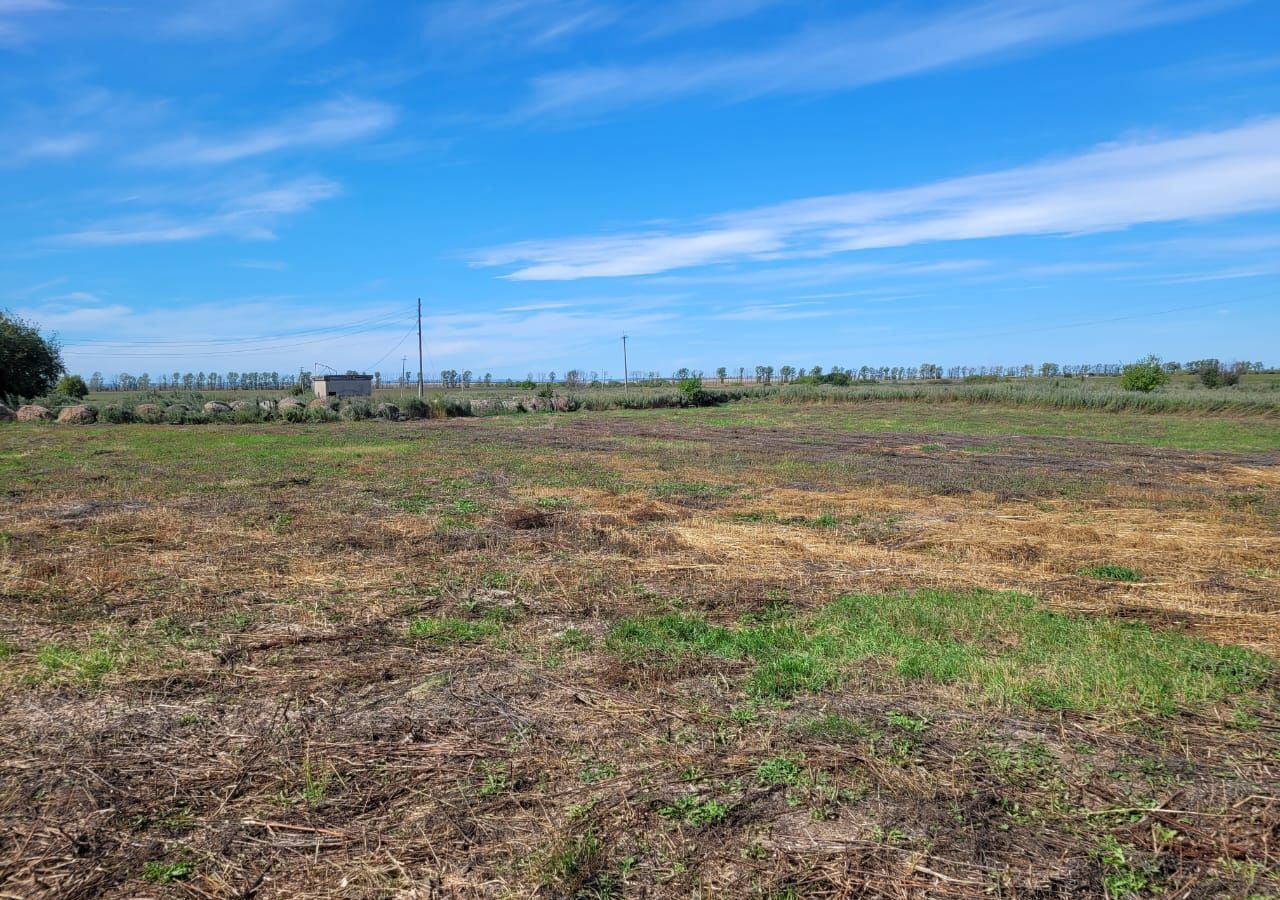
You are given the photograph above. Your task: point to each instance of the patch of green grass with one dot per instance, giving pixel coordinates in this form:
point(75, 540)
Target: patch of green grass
point(574, 639)
point(1006, 646)
point(1110, 573)
point(779, 770)
point(452, 630)
point(905, 722)
point(596, 770)
point(88, 665)
point(677, 489)
point(569, 864)
point(1120, 875)
point(7, 649)
point(166, 873)
point(693, 810)
point(931, 448)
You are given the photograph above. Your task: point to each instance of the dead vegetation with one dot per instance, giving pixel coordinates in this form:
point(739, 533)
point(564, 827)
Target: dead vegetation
point(375, 660)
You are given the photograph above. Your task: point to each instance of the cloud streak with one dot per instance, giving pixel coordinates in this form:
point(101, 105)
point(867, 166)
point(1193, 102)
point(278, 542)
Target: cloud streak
point(339, 121)
point(1116, 186)
point(251, 216)
point(852, 53)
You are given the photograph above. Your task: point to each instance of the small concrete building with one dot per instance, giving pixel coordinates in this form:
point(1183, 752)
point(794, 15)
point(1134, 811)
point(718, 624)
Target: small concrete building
point(342, 386)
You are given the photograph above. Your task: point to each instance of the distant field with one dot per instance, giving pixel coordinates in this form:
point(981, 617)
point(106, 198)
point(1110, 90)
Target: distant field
point(792, 646)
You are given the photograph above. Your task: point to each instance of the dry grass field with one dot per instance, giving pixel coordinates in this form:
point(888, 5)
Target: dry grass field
point(761, 650)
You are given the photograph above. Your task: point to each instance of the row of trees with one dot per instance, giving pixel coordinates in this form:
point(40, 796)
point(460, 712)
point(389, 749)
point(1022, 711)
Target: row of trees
point(1150, 373)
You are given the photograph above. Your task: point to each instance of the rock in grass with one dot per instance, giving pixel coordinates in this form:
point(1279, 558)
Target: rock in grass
point(289, 403)
point(33, 413)
point(387, 411)
point(6, 414)
point(215, 407)
point(318, 403)
point(146, 411)
point(264, 405)
point(77, 415)
point(240, 405)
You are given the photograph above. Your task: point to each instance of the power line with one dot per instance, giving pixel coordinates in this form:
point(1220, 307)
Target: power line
point(393, 349)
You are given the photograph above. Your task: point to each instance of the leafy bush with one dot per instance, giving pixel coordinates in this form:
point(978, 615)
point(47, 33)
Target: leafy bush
point(1212, 374)
point(115, 414)
point(691, 388)
point(1145, 375)
point(72, 386)
point(320, 414)
point(357, 410)
point(416, 408)
point(295, 414)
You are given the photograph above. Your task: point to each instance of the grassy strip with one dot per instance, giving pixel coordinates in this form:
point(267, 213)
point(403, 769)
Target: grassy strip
point(1046, 396)
point(1004, 645)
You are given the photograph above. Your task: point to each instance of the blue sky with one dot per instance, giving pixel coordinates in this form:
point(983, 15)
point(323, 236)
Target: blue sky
point(224, 185)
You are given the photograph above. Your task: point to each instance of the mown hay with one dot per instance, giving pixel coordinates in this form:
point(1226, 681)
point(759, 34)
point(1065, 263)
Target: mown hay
point(77, 415)
point(33, 413)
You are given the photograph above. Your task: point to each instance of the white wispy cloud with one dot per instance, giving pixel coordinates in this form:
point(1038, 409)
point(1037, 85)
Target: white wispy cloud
point(853, 53)
point(265, 265)
point(773, 312)
point(530, 24)
point(1115, 186)
point(338, 121)
point(47, 148)
point(249, 216)
point(686, 15)
point(16, 17)
point(273, 23)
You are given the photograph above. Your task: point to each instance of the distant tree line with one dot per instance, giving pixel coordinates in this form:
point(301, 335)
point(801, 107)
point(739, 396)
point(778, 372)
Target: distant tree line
point(1210, 372)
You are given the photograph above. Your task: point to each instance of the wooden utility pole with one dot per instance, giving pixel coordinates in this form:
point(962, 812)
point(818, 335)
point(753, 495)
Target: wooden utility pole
point(419, 348)
point(626, 378)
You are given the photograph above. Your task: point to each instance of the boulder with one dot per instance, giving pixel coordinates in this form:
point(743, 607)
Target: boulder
point(147, 411)
point(289, 403)
point(6, 414)
point(560, 404)
point(33, 413)
point(532, 404)
point(264, 405)
point(511, 405)
point(479, 407)
point(388, 411)
point(318, 403)
point(216, 407)
point(181, 407)
point(77, 415)
point(240, 405)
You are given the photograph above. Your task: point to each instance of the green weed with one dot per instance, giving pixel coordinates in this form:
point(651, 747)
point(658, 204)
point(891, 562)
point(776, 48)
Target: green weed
point(88, 665)
point(779, 770)
point(1110, 573)
point(693, 810)
point(167, 873)
point(451, 630)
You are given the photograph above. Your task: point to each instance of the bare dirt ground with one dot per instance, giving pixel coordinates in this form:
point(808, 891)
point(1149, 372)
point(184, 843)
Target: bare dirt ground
point(382, 660)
